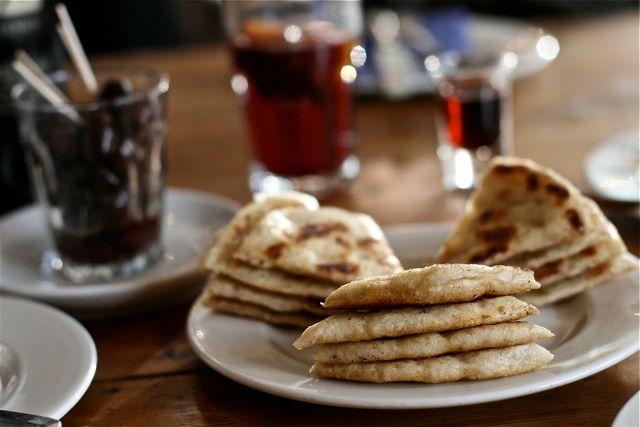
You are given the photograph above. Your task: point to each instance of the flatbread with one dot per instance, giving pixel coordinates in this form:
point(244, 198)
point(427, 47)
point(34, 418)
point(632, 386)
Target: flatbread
point(601, 230)
point(327, 243)
point(253, 311)
point(223, 287)
point(394, 322)
point(519, 207)
point(435, 284)
point(220, 259)
point(275, 280)
point(475, 365)
point(569, 259)
point(589, 257)
point(580, 283)
point(421, 346)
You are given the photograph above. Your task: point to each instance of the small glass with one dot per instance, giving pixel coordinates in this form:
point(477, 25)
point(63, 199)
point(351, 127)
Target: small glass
point(294, 63)
point(99, 173)
point(473, 112)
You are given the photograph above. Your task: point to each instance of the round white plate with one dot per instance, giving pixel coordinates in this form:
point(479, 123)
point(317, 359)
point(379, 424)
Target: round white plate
point(56, 357)
point(261, 356)
point(190, 221)
point(535, 46)
point(613, 168)
point(629, 415)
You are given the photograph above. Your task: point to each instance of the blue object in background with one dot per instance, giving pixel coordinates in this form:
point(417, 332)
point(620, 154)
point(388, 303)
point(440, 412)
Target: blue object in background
point(450, 27)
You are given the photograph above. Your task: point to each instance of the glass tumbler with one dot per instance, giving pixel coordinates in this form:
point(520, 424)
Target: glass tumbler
point(97, 166)
point(473, 112)
point(294, 63)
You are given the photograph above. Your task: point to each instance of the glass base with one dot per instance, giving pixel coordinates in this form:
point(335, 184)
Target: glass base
point(320, 186)
point(55, 265)
point(461, 168)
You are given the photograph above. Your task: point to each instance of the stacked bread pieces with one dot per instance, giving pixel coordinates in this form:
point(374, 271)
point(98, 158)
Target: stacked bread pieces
point(436, 324)
point(525, 215)
point(281, 255)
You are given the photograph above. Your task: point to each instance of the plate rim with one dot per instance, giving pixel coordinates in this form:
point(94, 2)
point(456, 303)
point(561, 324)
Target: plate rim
point(85, 379)
point(626, 346)
point(591, 160)
point(626, 411)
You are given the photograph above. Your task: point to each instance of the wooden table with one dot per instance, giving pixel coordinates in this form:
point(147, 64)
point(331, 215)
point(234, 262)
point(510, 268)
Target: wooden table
point(148, 375)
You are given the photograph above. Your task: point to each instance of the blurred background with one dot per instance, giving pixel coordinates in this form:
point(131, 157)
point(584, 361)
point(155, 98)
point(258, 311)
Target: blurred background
point(159, 24)
point(111, 27)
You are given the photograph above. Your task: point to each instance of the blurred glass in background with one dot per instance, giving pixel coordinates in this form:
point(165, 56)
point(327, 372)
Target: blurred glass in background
point(28, 25)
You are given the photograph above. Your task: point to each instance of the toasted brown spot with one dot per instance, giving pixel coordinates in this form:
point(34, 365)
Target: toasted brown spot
point(486, 216)
point(555, 190)
point(506, 170)
point(320, 230)
point(532, 182)
point(498, 234)
point(504, 194)
point(589, 251)
point(574, 219)
point(275, 251)
point(367, 242)
point(491, 215)
point(598, 270)
point(490, 251)
point(503, 170)
point(342, 242)
point(548, 269)
point(339, 267)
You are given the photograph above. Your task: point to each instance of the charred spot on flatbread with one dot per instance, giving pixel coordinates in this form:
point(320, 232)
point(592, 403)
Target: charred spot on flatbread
point(275, 251)
point(561, 194)
point(574, 219)
point(533, 183)
point(320, 230)
point(340, 267)
point(548, 269)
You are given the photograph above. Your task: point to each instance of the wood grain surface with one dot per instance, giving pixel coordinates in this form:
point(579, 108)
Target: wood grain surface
point(148, 375)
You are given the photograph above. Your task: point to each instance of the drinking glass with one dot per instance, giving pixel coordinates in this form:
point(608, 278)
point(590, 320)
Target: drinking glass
point(294, 63)
point(99, 173)
point(473, 112)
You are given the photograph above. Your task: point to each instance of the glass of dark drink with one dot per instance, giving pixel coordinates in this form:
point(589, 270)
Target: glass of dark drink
point(99, 174)
point(473, 112)
point(294, 62)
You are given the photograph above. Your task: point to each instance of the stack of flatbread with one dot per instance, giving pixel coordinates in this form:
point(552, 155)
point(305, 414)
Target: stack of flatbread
point(525, 215)
point(436, 324)
point(281, 255)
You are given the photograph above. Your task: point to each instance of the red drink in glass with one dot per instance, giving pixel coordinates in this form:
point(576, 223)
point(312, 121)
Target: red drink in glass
point(296, 97)
point(473, 122)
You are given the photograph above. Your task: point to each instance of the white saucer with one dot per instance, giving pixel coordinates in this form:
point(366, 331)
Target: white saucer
point(535, 46)
point(261, 356)
point(629, 415)
point(613, 168)
point(56, 357)
point(190, 221)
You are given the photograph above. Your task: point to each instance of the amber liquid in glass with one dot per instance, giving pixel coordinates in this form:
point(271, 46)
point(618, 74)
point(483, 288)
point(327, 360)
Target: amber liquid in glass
point(473, 122)
point(297, 106)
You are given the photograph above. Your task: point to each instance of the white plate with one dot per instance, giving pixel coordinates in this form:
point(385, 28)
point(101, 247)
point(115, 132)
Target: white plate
point(261, 356)
point(535, 46)
point(629, 415)
point(189, 224)
point(55, 355)
point(613, 168)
